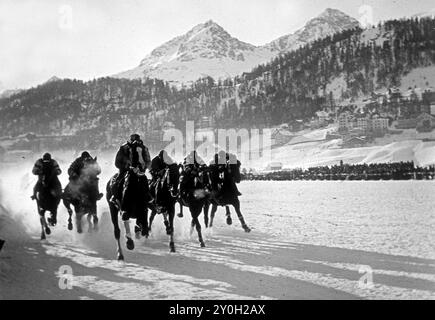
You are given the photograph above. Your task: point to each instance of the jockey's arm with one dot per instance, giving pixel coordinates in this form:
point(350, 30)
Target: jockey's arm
point(56, 168)
point(146, 157)
point(37, 168)
point(121, 160)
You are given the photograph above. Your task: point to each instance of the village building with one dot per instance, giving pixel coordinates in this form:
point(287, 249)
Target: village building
point(354, 142)
point(425, 123)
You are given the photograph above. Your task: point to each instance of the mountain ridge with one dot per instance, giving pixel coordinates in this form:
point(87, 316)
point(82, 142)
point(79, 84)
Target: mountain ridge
point(209, 50)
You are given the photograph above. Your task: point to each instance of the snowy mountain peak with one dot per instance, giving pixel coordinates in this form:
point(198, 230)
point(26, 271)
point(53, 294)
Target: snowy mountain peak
point(209, 50)
point(327, 23)
point(205, 50)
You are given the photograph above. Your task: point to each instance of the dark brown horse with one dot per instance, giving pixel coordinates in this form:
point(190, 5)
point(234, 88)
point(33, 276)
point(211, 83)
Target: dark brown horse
point(135, 197)
point(196, 191)
point(165, 192)
point(83, 195)
point(227, 196)
point(48, 198)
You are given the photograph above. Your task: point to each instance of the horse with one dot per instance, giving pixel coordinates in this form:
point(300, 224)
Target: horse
point(83, 195)
point(48, 198)
point(227, 197)
point(165, 198)
point(197, 189)
point(136, 207)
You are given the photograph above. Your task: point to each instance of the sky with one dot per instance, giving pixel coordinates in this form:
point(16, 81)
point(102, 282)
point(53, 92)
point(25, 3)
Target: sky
point(86, 39)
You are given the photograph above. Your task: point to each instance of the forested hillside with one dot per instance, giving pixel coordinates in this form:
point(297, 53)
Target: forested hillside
point(292, 86)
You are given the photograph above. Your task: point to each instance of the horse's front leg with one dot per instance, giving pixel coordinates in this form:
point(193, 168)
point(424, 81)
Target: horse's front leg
point(206, 208)
point(44, 226)
point(117, 230)
point(130, 242)
point(67, 205)
point(79, 215)
point(169, 223)
point(94, 217)
point(242, 220)
point(180, 215)
point(228, 214)
point(212, 214)
point(89, 219)
point(195, 221)
point(152, 216)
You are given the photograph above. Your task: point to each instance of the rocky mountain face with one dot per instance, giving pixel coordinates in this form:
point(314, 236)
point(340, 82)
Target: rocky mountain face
point(209, 51)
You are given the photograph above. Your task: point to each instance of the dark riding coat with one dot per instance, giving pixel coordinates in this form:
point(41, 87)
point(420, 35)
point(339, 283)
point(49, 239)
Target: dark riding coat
point(136, 156)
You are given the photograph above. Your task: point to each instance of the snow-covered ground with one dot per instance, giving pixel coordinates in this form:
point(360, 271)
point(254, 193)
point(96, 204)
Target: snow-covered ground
point(309, 240)
point(309, 149)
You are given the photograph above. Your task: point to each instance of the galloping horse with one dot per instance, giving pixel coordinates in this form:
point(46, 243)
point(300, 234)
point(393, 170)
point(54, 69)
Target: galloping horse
point(227, 197)
point(165, 198)
point(48, 198)
point(197, 190)
point(136, 207)
point(83, 195)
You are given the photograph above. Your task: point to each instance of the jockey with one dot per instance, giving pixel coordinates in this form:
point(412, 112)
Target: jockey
point(217, 167)
point(191, 167)
point(46, 162)
point(85, 165)
point(133, 155)
point(160, 163)
point(233, 165)
point(158, 166)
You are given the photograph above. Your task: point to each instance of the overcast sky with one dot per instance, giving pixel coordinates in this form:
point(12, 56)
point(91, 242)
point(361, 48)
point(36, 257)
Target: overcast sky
point(86, 39)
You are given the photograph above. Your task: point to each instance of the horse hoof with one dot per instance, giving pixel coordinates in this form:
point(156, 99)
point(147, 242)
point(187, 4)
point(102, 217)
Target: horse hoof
point(247, 229)
point(70, 226)
point(202, 245)
point(43, 237)
point(79, 231)
point(172, 246)
point(120, 257)
point(229, 221)
point(47, 231)
point(130, 244)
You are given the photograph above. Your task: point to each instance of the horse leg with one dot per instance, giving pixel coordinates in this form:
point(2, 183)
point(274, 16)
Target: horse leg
point(70, 212)
point(44, 227)
point(130, 242)
point(206, 208)
point(89, 219)
point(198, 227)
point(180, 215)
point(171, 224)
point(152, 216)
point(94, 217)
point(79, 215)
point(117, 231)
point(45, 230)
point(212, 214)
point(52, 220)
point(242, 220)
point(228, 213)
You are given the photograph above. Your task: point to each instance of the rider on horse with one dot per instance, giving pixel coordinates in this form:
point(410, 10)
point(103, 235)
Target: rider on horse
point(192, 167)
point(223, 168)
point(133, 156)
point(48, 167)
point(85, 167)
point(158, 168)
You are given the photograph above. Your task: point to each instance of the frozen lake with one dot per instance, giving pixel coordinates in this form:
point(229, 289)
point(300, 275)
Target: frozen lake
point(309, 240)
point(396, 217)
